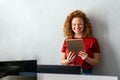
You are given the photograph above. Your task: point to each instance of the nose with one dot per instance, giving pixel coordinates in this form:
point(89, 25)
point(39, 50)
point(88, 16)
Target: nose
point(77, 25)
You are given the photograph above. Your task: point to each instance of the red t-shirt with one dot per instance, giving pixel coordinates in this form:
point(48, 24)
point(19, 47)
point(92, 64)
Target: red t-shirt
point(90, 46)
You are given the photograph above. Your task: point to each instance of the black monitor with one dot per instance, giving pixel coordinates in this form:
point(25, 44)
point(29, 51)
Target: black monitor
point(58, 69)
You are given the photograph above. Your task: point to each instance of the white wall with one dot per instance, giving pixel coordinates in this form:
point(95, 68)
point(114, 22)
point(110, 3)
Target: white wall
point(32, 29)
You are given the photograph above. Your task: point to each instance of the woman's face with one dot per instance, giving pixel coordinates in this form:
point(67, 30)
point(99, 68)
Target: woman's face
point(77, 25)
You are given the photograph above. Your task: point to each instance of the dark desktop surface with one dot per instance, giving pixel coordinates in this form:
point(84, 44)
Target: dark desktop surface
point(25, 65)
point(19, 78)
point(11, 70)
point(16, 67)
point(58, 69)
point(30, 68)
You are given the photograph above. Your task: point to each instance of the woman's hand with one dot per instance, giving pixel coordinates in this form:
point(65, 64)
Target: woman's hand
point(83, 55)
point(71, 56)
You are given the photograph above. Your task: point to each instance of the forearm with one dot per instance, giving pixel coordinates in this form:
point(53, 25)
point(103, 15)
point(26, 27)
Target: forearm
point(64, 62)
point(92, 61)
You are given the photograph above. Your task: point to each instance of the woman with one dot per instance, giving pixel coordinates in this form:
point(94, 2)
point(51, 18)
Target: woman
point(77, 26)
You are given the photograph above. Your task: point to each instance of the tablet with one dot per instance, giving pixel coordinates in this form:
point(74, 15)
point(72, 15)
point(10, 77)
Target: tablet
point(75, 45)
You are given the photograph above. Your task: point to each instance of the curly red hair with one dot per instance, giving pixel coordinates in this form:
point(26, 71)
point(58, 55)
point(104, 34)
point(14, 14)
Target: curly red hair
point(68, 24)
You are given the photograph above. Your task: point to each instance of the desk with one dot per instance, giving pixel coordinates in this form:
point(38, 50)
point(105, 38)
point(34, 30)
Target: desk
point(74, 77)
point(19, 78)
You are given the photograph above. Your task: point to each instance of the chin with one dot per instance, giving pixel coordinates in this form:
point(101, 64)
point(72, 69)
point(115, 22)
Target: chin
point(77, 32)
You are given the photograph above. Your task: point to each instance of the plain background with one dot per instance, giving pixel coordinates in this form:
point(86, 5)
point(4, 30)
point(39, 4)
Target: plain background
point(33, 29)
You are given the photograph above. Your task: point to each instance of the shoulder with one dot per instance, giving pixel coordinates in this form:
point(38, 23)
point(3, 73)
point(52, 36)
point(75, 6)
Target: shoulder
point(94, 39)
point(67, 39)
point(91, 38)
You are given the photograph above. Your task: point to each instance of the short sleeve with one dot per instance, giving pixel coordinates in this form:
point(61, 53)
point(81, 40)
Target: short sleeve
point(63, 46)
point(96, 47)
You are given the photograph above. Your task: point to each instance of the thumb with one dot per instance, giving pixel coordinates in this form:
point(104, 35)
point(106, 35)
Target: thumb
point(84, 50)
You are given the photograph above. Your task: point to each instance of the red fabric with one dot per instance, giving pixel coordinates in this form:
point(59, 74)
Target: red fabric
point(90, 46)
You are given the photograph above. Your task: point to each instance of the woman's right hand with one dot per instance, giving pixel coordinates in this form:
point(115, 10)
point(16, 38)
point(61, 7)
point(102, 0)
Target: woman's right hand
point(71, 56)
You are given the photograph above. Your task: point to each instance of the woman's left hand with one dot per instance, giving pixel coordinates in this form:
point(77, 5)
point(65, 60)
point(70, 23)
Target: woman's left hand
point(83, 55)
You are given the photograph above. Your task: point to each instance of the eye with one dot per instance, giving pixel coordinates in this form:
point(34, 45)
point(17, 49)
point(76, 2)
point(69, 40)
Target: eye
point(73, 24)
point(80, 24)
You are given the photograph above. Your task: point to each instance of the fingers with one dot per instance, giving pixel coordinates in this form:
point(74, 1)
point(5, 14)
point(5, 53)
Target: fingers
point(69, 53)
point(71, 56)
point(83, 55)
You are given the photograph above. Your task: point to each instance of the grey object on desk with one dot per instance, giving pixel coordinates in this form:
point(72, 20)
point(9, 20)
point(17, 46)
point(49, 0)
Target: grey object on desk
point(19, 78)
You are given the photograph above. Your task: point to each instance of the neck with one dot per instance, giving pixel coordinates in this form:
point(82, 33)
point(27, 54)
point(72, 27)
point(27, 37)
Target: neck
point(78, 36)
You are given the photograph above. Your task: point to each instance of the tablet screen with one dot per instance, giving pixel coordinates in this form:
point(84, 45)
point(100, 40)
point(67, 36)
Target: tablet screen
point(75, 45)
